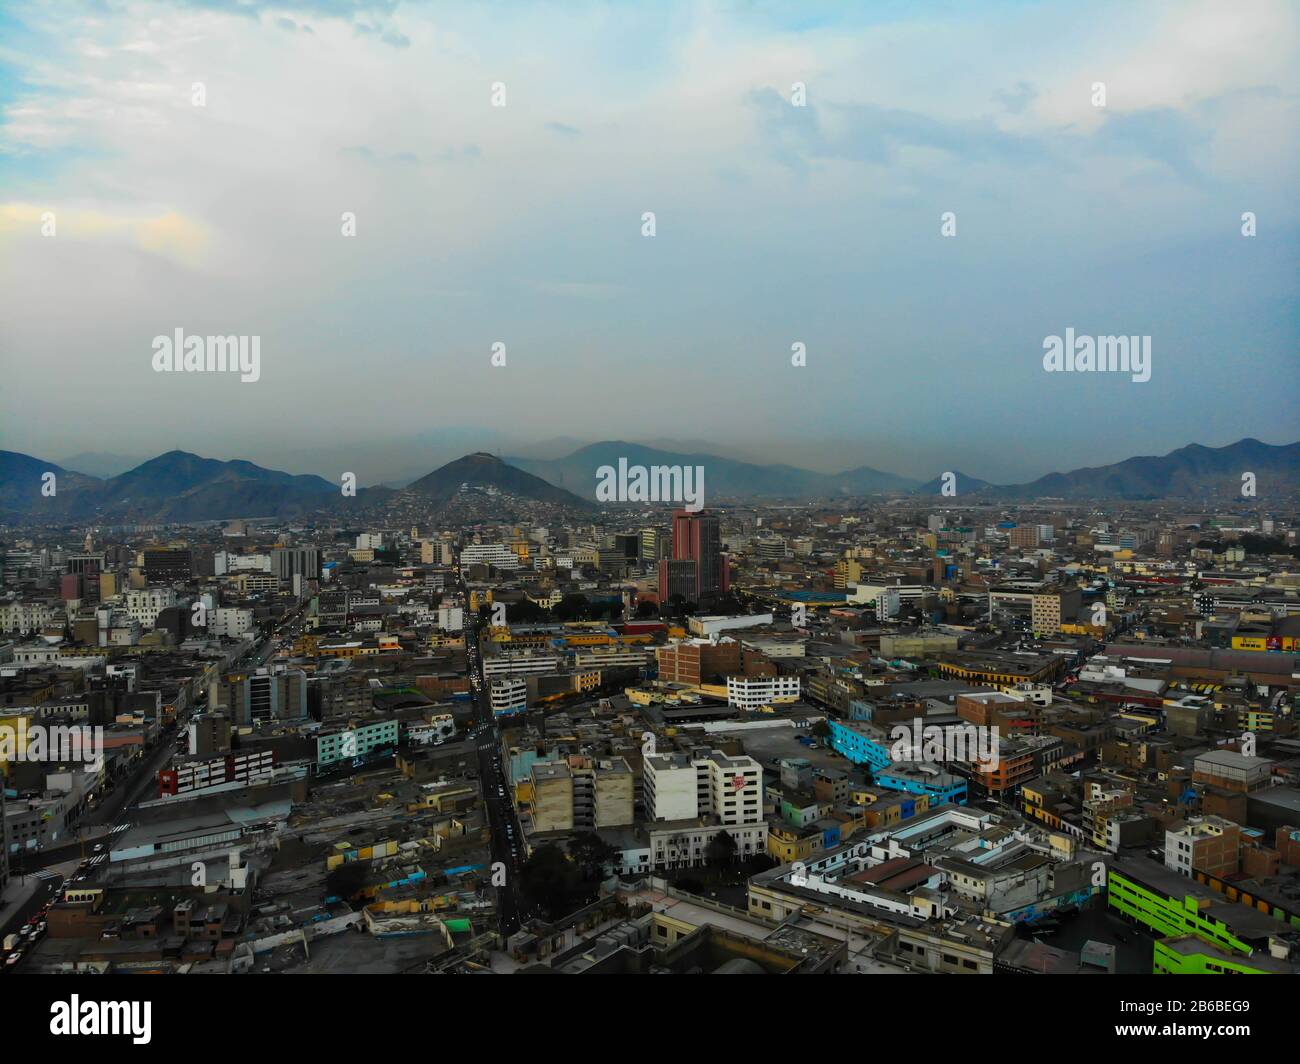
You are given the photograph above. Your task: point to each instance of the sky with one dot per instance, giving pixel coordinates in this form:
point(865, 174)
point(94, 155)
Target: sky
point(774, 225)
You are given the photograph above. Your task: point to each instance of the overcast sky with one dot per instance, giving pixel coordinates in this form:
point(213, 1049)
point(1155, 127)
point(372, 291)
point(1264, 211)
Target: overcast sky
point(775, 225)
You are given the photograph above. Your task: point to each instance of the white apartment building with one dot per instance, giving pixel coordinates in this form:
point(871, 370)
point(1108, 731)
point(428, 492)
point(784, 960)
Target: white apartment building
point(735, 788)
point(508, 696)
point(684, 787)
point(23, 617)
point(231, 622)
point(673, 787)
point(520, 663)
point(689, 799)
point(754, 692)
point(144, 604)
point(225, 562)
point(246, 768)
point(451, 619)
point(888, 604)
point(496, 554)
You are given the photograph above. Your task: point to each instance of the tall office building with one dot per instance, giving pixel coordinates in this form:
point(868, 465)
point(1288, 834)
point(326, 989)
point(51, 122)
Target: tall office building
point(167, 565)
point(251, 698)
point(697, 538)
point(288, 562)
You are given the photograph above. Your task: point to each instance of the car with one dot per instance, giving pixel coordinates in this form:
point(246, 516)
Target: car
point(99, 848)
point(14, 957)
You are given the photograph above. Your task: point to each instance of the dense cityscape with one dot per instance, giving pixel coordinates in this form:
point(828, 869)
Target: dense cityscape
point(500, 727)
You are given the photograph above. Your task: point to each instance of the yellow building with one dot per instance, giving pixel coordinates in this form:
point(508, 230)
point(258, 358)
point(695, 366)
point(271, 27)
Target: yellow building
point(787, 844)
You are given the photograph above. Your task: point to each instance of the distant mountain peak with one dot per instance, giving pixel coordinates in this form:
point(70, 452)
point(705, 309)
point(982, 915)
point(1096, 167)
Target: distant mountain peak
point(483, 468)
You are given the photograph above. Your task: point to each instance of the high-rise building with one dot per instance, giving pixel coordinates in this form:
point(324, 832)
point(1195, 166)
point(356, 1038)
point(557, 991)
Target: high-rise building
point(653, 545)
point(1024, 536)
point(495, 554)
point(288, 562)
point(582, 794)
point(167, 566)
point(697, 661)
point(697, 538)
point(209, 735)
point(682, 786)
point(252, 698)
point(145, 605)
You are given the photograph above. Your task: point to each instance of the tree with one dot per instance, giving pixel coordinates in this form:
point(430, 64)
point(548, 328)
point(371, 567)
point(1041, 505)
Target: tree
point(678, 607)
point(572, 608)
point(346, 880)
point(821, 729)
point(525, 612)
point(592, 855)
point(551, 882)
point(720, 850)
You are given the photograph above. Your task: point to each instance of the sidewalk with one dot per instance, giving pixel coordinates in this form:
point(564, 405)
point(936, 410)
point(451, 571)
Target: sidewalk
point(16, 894)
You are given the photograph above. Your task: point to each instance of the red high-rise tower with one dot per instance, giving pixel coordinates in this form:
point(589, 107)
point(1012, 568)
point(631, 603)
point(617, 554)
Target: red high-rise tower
point(697, 538)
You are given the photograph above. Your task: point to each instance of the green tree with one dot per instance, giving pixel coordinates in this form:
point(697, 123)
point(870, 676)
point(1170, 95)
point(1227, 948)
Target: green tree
point(572, 608)
point(525, 612)
point(720, 850)
point(346, 880)
point(592, 855)
point(550, 881)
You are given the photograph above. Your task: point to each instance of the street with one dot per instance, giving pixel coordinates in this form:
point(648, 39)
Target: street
point(503, 825)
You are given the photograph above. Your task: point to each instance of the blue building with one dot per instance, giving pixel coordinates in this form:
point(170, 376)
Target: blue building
point(861, 743)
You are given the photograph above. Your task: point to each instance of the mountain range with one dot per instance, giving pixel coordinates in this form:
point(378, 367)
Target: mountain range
point(1189, 471)
point(176, 486)
point(722, 476)
point(182, 487)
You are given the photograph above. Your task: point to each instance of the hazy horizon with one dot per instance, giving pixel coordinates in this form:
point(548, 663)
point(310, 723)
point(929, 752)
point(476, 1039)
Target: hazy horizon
point(405, 458)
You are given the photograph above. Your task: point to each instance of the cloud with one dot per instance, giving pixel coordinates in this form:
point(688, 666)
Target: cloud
point(170, 235)
point(1019, 98)
point(775, 223)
